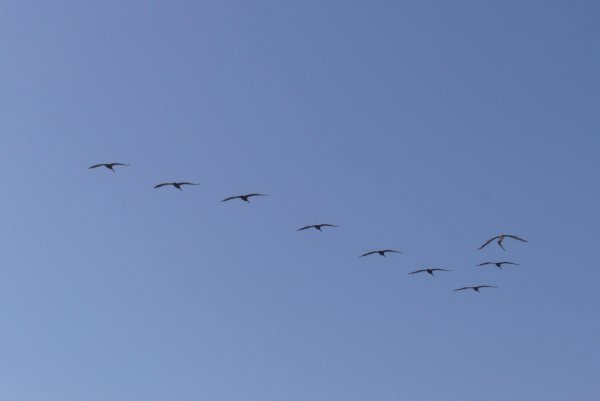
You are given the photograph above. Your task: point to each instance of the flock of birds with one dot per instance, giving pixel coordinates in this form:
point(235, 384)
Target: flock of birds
point(319, 227)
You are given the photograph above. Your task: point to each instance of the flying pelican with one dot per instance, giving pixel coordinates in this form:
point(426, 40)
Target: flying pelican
point(500, 238)
point(175, 184)
point(109, 166)
point(242, 197)
point(381, 252)
point(430, 271)
point(498, 264)
point(316, 226)
point(475, 288)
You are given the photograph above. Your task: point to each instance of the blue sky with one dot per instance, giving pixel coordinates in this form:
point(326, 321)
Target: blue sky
point(426, 127)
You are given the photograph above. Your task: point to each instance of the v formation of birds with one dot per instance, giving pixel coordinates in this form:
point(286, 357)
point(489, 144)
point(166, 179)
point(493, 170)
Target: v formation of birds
point(319, 227)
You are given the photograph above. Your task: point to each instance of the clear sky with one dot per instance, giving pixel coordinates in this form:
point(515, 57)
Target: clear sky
point(424, 126)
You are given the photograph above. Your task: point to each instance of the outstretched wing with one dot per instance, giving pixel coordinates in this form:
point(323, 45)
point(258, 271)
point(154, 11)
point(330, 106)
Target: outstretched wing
point(488, 241)
point(250, 195)
point(368, 253)
point(300, 229)
point(162, 185)
point(418, 271)
point(486, 286)
point(327, 225)
point(517, 238)
point(390, 250)
point(97, 165)
point(119, 164)
point(187, 183)
point(440, 270)
point(486, 263)
point(230, 198)
point(463, 288)
point(509, 263)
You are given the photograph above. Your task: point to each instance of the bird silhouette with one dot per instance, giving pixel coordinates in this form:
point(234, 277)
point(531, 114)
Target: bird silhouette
point(109, 166)
point(177, 185)
point(381, 252)
point(242, 197)
point(498, 264)
point(316, 226)
point(475, 288)
point(500, 238)
point(430, 271)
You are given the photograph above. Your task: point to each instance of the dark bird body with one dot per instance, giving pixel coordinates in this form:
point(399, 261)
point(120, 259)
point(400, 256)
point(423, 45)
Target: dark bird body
point(177, 185)
point(242, 197)
point(475, 288)
point(381, 252)
point(430, 271)
point(316, 226)
point(498, 264)
point(109, 166)
point(500, 239)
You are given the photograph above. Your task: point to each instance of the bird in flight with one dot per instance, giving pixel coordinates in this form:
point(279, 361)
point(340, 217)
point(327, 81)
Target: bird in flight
point(475, 288)
point(498, 264)
point(430, 271)
point(109, 166)
point(177, 185)
point(316, 226)
point(381, 252)
point(242, 197)
point(500, 238)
